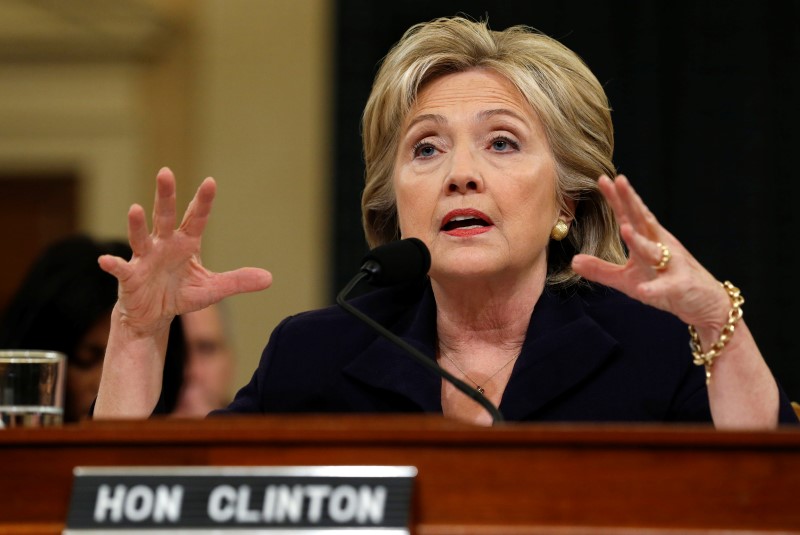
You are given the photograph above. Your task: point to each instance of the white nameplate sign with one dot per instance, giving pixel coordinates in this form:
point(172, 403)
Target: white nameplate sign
point(241, 500)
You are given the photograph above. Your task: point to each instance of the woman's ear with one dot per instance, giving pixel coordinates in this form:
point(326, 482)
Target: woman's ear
point(568, 214)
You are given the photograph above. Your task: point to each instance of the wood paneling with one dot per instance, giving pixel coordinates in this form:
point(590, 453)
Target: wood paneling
point(34, 212)
point(510, 479)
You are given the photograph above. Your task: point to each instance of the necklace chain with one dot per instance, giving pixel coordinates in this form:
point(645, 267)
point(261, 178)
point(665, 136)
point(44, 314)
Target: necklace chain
point(478, 387)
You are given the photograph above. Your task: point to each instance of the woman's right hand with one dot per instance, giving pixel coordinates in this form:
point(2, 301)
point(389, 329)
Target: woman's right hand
point(165, 277)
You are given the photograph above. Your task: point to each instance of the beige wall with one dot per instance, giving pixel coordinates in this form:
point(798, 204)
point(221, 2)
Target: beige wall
point(236, 89)
point(262, 124)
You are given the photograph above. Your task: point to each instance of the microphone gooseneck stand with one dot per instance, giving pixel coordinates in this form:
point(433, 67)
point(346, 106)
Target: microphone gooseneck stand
point(416, 354)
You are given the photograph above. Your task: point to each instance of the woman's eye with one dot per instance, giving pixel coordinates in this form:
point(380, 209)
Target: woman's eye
point(503, 145)
point(424, 150)
point(87, 356)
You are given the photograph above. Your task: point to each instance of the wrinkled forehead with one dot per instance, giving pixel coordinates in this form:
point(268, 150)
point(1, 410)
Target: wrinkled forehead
point(476, 88)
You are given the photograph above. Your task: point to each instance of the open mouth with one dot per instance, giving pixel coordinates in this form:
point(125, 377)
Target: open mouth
point(466, 221)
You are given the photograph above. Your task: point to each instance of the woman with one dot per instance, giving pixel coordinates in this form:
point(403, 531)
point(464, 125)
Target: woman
point(487, 146)
point(64, 304)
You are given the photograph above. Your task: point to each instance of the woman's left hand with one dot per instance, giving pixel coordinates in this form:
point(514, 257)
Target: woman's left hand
point(681, 286)
point(743, 393)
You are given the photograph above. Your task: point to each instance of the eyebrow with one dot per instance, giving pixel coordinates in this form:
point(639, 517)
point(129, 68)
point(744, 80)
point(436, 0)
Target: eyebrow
point(488, 114)
point(482, 116)
point(435, 117)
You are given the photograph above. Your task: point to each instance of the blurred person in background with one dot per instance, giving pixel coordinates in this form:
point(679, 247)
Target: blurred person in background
point(64, 304)
point(208, 371)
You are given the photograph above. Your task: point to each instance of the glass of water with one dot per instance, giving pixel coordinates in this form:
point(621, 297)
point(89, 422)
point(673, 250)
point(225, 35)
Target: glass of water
point(31, 388)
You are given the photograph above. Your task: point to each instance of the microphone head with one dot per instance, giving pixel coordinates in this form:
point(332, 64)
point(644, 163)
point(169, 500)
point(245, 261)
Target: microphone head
point(397, 262)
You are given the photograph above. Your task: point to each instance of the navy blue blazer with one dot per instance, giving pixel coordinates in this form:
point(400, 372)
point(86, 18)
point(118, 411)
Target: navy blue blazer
point(591, 354)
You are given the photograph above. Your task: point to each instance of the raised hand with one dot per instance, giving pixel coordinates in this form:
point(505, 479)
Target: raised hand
point(742, 393)
point(165, 277)
point(659, 270)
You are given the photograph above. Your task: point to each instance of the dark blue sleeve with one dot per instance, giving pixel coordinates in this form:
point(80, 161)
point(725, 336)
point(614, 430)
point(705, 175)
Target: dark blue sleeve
point(249, 398)
point(786, 413)
point(692, 401)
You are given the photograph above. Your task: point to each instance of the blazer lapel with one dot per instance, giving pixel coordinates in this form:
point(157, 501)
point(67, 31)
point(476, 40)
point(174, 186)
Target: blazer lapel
point(563, 346)
point(384, 365)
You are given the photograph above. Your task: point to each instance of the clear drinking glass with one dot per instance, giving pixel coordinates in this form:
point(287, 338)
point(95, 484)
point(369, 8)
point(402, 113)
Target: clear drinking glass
point(31, 388)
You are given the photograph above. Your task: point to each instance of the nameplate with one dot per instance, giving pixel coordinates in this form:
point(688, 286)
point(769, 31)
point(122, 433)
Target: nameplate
point(296, 500)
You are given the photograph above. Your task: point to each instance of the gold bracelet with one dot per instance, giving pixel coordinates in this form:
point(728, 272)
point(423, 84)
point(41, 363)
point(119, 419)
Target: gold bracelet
point(734, 315)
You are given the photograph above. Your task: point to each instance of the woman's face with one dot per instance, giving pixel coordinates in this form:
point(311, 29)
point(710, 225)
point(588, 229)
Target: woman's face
point(84, 368)
point(475, 179)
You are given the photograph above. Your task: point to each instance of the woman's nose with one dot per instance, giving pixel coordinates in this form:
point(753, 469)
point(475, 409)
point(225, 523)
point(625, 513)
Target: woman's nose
point(463, 176)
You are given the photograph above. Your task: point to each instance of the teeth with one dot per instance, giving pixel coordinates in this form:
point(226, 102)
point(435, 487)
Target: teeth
point(460, 218)
point(465, 221)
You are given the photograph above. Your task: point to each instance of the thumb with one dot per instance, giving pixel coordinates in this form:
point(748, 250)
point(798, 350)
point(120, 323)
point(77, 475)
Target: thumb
point(242, 280)
point(596, 270)
point(115, 266)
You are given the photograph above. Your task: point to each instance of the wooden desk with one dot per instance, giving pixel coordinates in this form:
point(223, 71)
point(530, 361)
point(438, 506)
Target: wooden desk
point(512, 479)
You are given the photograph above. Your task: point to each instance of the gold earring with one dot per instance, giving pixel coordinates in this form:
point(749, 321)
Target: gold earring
point(560, 230)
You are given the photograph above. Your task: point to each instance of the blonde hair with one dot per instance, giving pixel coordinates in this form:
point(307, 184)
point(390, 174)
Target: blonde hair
point(560, 88)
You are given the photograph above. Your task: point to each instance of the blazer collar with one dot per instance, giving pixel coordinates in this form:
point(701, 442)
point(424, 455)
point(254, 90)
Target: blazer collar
point(563, 346)
point(384, 365)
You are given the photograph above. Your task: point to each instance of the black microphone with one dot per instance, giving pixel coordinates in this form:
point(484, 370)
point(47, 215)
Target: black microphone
point(397, 262)
point(402, 262)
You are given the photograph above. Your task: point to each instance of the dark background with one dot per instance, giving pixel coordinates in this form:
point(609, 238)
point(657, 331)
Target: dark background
point(704, 99)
